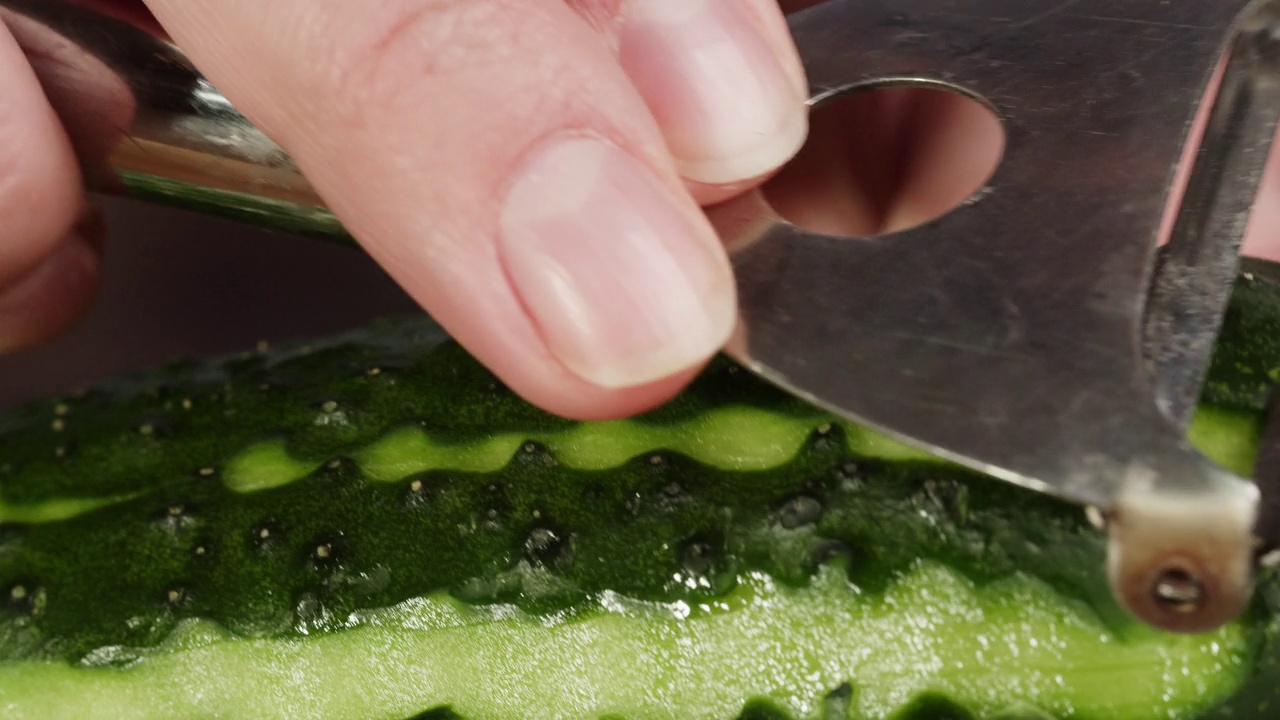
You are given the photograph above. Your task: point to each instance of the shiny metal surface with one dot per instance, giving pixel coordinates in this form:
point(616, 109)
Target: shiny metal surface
point(1027, 334)
point(145, 123)
point(1009, 334)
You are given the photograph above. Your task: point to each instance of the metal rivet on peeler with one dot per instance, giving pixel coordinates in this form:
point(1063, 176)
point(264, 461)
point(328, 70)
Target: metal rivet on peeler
point(1178, 590)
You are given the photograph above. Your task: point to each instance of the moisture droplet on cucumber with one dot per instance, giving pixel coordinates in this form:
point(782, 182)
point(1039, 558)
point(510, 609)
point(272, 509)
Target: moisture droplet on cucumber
point(373, 527)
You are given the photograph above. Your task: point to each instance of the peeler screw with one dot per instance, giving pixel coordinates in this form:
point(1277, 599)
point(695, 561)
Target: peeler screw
point(1178, 590)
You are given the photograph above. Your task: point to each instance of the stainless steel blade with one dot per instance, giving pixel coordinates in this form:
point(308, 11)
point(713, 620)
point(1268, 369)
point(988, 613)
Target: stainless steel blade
point(1008, 334)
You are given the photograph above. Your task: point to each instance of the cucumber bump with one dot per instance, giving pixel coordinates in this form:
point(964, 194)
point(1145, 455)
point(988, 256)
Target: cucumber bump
point(373, 527)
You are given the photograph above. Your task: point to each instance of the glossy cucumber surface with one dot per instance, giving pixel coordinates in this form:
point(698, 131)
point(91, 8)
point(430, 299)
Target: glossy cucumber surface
point(371, 526)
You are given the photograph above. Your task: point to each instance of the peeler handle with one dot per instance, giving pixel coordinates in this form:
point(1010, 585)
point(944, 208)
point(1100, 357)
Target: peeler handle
point(145, 124)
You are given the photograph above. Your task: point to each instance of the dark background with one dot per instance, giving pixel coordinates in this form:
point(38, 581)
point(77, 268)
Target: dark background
point(177, 284)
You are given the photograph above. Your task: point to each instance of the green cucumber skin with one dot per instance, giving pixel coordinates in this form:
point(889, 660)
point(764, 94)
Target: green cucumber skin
point(171, 540)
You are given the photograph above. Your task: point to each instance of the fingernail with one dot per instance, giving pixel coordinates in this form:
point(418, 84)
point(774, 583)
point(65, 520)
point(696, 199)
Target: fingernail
point(626, 281)
point(728, 108)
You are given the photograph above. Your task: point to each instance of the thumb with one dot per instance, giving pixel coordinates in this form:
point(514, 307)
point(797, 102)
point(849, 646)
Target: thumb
point(498, 160)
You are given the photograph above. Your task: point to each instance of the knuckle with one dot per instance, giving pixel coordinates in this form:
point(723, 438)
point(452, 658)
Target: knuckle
point(418, 46)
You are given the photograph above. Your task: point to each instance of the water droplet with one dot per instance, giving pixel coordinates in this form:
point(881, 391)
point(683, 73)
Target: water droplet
point(829, 551)
point(547, 547)
point(497, 506)
point(26, 599)
point(310, 612)
point(849, 476)
point(698, 556)
point(799, 511)
point(534, 454)
point(633, 505)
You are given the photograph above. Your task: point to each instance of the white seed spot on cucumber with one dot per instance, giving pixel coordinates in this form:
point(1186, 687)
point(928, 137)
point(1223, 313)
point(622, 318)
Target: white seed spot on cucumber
point(58, 425)
point(206, 472)
point(175, 596)
point(264, 533)
point(200, 550)
point(415, 486)
point(61, 409)
point(176, 510)
point(373, 371)
point(147, 429)
point(329, 406)
point(324, 551)
point(18, 593)
point(263, 347)
point(186, 403)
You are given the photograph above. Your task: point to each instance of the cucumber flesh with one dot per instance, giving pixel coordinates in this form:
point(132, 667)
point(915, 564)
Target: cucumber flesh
point(932, 631)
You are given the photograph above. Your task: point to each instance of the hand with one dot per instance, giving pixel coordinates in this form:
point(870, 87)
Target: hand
point(529, 170)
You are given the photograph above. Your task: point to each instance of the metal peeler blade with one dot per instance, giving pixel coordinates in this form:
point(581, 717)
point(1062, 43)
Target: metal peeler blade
point(1034, 333)
point(1031, 333)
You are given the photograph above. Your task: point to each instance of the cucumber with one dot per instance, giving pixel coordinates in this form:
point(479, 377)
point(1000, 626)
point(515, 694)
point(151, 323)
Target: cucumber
point(372, 526)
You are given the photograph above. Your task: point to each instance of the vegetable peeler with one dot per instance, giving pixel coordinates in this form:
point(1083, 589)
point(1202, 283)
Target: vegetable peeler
point(1037, 333)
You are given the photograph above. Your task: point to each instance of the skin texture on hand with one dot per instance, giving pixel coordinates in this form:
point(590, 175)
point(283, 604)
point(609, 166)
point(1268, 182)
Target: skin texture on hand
point(48, 263)
point(527, 169)
point(530, 171)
